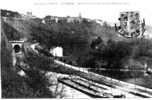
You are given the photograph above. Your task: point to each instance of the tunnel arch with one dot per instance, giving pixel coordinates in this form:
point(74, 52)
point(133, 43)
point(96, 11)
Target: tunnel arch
point(17, 48)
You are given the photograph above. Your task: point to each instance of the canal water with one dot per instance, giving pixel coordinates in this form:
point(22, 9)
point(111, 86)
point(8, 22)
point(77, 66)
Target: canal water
point(134, 77)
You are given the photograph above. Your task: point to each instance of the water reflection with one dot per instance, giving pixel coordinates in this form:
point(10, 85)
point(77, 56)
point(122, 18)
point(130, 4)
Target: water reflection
point(134, 77)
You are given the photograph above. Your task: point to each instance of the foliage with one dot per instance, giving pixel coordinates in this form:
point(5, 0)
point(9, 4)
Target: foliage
point(116, 54)
point(11, 33)
point(8, 13)
point(15, 86)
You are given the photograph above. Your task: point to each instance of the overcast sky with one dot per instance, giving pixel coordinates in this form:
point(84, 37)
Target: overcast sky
point(107, 10)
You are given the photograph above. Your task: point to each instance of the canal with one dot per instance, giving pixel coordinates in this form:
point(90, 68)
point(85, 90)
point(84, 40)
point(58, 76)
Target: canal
point(135, 77)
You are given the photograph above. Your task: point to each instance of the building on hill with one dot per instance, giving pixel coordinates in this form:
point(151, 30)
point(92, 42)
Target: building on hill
point(73, 19)
point(28, 15)
point(68, 19)
point(78, 19)
point(51, 19)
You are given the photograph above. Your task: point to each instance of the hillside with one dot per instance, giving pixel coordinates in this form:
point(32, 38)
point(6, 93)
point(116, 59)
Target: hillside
point(13, 86)
point(75, 38)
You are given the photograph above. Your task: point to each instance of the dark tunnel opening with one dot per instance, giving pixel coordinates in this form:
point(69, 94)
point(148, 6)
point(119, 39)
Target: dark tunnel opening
point(17, 48)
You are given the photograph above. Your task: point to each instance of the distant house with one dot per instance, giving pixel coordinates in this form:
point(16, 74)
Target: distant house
point(57, 51)
point(50, 19)
point(74, 19)
point(70, 19)
point(53, 19)
point(28, 15)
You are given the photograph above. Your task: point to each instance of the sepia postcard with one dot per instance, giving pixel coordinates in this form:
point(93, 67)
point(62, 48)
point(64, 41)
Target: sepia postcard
point(76, 49)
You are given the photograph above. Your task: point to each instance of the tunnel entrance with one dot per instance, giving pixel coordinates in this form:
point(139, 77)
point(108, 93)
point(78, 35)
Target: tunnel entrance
point(17, 48)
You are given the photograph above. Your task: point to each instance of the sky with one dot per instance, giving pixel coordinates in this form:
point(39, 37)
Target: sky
point(106, 10)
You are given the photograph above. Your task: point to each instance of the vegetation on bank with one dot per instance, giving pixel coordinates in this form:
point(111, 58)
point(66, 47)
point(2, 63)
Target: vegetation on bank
point(122, 53)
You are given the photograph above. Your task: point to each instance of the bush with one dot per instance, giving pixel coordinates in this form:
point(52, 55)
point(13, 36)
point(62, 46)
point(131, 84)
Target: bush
point(15, 86)
point(10, 32)
point(116, 54)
